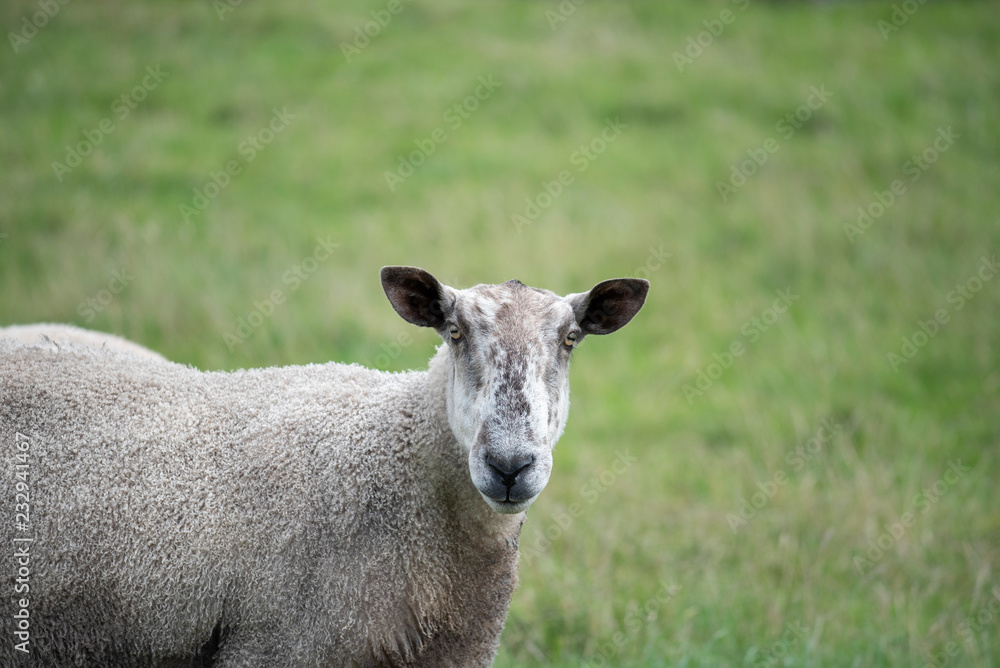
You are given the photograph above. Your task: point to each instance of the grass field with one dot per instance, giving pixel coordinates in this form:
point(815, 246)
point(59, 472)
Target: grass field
point(790, 457)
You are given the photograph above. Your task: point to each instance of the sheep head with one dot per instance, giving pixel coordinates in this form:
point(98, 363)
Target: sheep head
point(508, 386)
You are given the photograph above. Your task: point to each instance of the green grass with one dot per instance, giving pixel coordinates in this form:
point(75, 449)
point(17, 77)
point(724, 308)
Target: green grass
point(664, 518)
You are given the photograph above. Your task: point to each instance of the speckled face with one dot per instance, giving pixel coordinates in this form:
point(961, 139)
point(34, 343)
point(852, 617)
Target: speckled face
point(509, 386)
point(508, 381)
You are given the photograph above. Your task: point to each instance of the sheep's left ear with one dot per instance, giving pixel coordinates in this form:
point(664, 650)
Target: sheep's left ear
point(417, 296)
point(609, 305)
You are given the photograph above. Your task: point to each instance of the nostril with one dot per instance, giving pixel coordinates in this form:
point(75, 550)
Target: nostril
point(509, 470)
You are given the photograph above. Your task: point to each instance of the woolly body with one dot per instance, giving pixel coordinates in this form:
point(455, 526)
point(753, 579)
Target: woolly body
point(54, 334)
point(287, 505)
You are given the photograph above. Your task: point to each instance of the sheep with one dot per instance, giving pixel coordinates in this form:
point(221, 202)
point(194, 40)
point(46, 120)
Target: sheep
point(56, 334)
point(319, 515)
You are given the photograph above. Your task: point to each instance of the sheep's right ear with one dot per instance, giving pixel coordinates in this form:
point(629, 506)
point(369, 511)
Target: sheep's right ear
point(416, 295)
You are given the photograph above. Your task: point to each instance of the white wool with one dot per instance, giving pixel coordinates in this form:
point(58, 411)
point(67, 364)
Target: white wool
point(53, 334)
point(317, 515)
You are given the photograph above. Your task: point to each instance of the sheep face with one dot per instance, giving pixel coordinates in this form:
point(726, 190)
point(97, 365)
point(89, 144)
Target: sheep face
point(509, 347)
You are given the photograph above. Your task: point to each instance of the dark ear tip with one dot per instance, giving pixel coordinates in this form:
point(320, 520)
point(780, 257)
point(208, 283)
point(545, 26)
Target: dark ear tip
point(638, 286)
point(396, 274)
point(643, 287)
point(391, 270)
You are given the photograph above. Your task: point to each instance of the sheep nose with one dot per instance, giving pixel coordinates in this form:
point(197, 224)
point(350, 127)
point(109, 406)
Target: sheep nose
point(509, 469)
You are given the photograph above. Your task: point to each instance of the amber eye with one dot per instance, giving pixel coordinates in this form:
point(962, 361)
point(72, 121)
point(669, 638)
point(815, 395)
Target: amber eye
point(570, 340)
point(455, 332)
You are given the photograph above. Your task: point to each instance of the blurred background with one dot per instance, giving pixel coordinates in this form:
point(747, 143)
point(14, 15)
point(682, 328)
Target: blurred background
point(788, 458)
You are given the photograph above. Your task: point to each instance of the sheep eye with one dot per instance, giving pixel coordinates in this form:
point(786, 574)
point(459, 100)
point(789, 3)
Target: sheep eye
point(455, 332)
point(570, 340)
